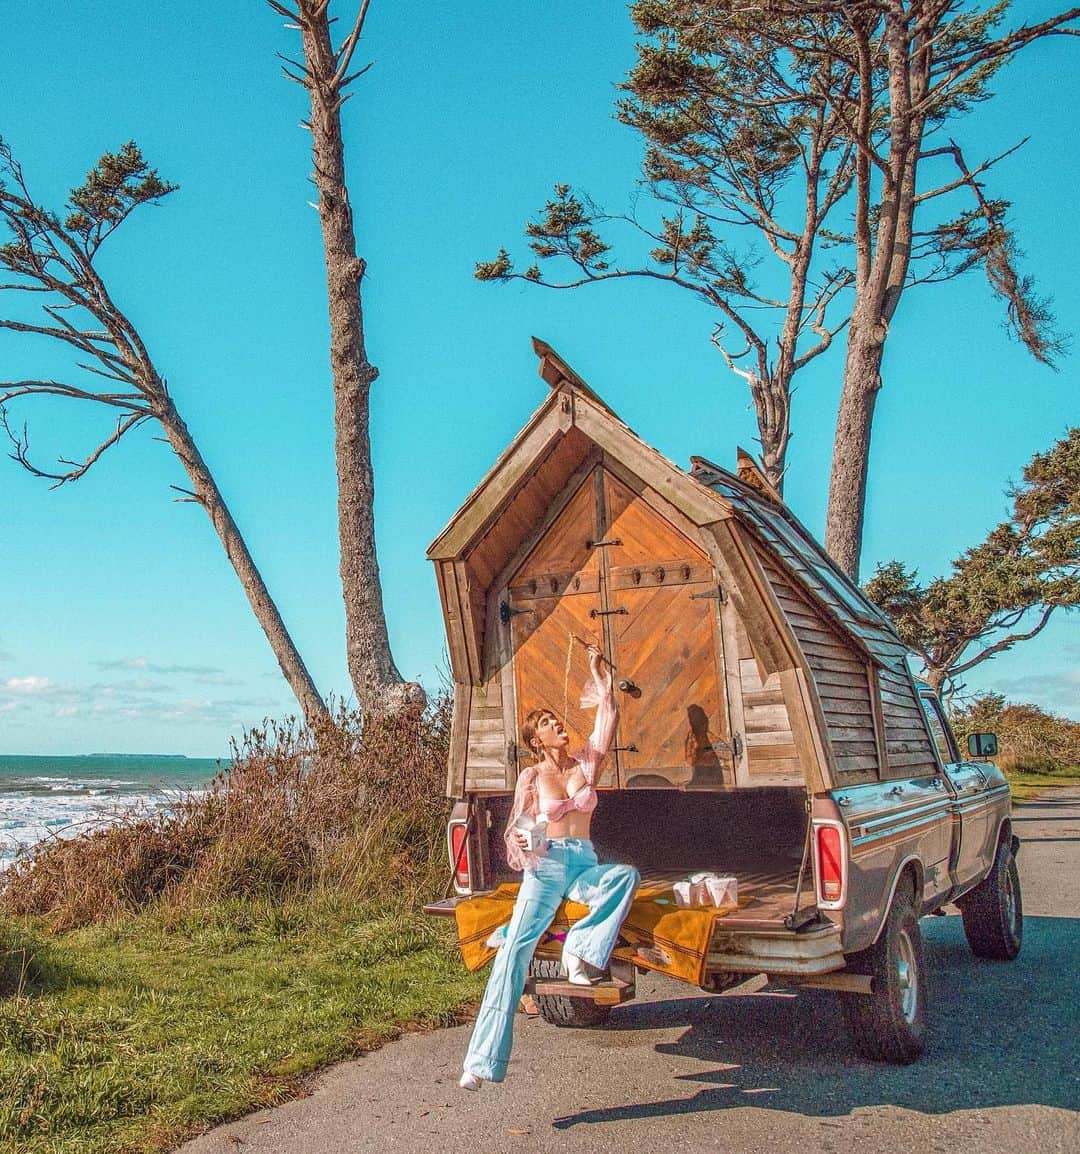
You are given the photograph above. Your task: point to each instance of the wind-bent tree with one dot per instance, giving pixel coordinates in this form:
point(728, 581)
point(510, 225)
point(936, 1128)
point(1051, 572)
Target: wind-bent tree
point(739, 139)
point(920, 65)
point(728, 94)
point(52, 263)
point(1004, 590)
point(324, 73)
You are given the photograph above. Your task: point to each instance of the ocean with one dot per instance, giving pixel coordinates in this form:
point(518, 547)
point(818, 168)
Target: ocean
point(60, 796)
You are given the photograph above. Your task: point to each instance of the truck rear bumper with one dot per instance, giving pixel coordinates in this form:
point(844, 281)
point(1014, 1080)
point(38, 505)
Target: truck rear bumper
point(776, 952)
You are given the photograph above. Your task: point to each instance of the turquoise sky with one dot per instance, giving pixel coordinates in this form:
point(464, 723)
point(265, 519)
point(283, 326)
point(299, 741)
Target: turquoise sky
point(123, 628)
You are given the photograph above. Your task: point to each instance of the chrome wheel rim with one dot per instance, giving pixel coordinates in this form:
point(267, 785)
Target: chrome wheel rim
point(907, 977)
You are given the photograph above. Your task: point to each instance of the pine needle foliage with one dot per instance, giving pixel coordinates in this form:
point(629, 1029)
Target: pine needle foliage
point(1003, 590)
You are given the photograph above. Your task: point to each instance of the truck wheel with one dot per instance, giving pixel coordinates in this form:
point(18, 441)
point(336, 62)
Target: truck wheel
point(889, 1025)
point(560, 1011)
point(993, 911)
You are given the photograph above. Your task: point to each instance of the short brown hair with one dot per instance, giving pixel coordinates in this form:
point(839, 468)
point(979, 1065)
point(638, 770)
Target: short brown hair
point(528, 728)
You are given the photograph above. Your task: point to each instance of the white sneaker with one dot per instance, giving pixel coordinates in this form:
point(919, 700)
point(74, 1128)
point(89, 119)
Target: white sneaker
point(575, 969)
point(470, 1081)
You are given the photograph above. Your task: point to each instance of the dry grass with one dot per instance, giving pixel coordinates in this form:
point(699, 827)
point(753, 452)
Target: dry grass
point(354, 807)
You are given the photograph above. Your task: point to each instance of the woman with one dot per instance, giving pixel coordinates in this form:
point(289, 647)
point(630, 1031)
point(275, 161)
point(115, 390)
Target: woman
point(562, 788)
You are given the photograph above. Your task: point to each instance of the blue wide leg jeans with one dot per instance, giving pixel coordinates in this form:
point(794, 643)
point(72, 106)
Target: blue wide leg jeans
point(568, 870)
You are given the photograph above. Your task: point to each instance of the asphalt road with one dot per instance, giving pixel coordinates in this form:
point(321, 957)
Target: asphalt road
point(766, 1072)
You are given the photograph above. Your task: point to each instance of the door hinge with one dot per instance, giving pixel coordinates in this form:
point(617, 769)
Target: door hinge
point(734, 746)
point(626, 748)
point(597, 544)
point(716, 594)
point(505, 612)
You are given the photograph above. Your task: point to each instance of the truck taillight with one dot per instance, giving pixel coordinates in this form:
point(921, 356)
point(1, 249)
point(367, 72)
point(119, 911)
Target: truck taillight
point(830, 865)
point(458, 844)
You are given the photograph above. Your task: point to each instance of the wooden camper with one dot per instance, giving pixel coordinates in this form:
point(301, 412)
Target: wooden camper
point(743, 656)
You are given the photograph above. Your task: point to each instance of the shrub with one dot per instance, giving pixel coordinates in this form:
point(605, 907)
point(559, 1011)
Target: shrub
point(1030, 739)
point(355, 805)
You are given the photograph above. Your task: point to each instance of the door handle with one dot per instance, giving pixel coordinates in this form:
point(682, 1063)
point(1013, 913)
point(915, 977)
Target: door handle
point(631, 687)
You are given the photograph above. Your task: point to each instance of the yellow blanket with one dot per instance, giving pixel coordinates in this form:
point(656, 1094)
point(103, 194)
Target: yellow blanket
point(656, 933)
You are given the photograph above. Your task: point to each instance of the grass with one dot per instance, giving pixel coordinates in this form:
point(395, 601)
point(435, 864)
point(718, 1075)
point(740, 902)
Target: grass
point(1028, 786)
point(129, 1037)
point(178, 969)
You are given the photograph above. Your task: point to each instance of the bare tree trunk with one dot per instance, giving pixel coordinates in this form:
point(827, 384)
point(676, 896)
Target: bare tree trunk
point(851, 450)
point(206, 493)
point(378, 685)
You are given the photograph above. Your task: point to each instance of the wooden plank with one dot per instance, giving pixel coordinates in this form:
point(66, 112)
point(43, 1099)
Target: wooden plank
point(910, 759)
point(733, 685)
point(857, 763)
point(452, 609)
point(807, 729)
point(784, 766)
point(846, 733)
point(759, 697)
point(766, 717)
point(699, 504)
point(830, 650)
point(670, 572)
point(904, 733)
point(459, 736)
point(770, 637)
point(825, 676)
point(846, 706)
point(851, 748)
point(479, 758)
point(485, 727)
point(472, 628)
point(878, 714)
point(785, 751)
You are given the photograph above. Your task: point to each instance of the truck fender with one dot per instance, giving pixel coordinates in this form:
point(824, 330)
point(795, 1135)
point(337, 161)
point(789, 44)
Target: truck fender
point(913, 861)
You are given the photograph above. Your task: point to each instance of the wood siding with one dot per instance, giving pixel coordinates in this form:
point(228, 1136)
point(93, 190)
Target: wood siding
point(907, 742)
point(840, 674)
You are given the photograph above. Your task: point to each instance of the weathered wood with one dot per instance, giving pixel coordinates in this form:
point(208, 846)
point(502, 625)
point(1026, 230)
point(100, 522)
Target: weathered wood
point(472, 622)
point(459, 736)
point(733, 682)
point(770, 637)
point(807, 729)
point(455, 626)
point(701, 505)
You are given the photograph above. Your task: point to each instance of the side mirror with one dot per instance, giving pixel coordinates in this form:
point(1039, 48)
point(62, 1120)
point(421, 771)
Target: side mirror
point(982, 744)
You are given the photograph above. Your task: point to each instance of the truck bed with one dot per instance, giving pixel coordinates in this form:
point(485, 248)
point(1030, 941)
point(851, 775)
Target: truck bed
point(755, 835)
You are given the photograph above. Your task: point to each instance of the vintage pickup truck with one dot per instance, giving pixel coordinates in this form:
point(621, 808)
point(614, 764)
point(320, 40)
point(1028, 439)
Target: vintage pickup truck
point(770, 729)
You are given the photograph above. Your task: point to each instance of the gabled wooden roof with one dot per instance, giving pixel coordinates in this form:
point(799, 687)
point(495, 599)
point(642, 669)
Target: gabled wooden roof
point(571, 404)
point(707, 495)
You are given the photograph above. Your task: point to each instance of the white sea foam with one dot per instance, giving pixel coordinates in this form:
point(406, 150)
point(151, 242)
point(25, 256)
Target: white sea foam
point(35, 806)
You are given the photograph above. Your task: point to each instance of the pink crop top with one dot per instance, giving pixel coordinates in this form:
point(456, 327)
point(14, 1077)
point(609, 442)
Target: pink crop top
point(527, 798)
point(584, 800)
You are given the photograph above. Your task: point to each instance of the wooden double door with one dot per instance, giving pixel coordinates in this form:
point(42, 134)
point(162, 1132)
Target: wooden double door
point(613, 570)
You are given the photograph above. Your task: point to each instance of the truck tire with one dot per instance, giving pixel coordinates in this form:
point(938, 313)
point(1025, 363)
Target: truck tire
point(889, 1025)
point(560, 1011)
point(993, 911)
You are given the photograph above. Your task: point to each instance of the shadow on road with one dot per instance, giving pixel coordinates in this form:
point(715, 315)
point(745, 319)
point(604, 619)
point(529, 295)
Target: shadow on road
point(1001, 1034)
